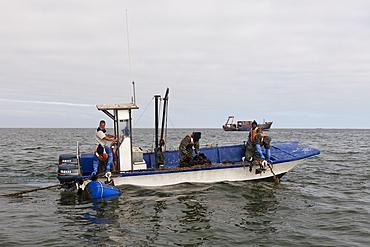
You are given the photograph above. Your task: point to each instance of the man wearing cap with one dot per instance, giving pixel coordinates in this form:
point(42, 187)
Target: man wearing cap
point(101, 135)
point(256, 139)
point(102, 160)
point(186, 148)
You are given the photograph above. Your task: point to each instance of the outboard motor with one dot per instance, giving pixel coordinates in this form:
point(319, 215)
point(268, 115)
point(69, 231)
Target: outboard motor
point(67, 169)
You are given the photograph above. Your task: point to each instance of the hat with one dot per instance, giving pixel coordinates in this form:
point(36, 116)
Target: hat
point(254, 122)
point(197, 135)
point(99, 150)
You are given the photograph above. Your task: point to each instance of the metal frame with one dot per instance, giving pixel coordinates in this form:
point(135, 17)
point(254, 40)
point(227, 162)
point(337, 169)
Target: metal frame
point(115, 108)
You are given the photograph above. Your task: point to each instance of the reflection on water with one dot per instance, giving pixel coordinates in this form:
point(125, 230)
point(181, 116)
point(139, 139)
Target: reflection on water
point(157, 219)
point(185, 215)
point(320, 192)
point(105, 209)
point(260, 207)
point(195, 215)
point(261, 199)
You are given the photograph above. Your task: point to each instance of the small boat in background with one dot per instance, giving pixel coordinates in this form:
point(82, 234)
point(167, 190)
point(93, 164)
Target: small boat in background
point(244, 125)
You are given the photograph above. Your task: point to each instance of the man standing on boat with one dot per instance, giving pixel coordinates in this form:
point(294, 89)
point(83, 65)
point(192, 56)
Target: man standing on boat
point(256, 139)
point(101, 135)
point(186, 148)
point(102, 160)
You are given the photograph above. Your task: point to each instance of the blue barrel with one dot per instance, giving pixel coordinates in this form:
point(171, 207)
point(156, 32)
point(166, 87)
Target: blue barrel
point(96, 189)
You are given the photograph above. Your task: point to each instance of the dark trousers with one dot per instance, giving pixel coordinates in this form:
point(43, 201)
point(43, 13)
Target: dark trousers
point(250, 151)
point(102, 168)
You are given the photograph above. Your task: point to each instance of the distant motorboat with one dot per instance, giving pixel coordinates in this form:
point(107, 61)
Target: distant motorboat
point(244, 125)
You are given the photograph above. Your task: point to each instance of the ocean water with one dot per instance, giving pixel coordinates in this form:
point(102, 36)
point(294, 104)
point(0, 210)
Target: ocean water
point(323, 201)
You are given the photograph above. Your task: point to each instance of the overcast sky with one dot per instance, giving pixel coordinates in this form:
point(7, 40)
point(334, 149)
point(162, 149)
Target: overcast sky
point(300, 64)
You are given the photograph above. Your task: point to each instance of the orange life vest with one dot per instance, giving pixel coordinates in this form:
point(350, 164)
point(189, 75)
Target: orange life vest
point(254, 134)
point(191, 140)
point(113, 153)
point(103, 157)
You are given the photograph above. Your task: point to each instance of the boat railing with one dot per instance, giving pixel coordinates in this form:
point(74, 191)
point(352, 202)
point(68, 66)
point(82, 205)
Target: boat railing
point(201, 146)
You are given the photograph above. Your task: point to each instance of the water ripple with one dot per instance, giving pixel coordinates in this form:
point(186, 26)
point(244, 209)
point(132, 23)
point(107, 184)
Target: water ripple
point(324, 201)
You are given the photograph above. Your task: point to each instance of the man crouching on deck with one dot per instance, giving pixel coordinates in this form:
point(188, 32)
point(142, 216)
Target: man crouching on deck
point(186, 148)
point(253, 149)
point(102, 159)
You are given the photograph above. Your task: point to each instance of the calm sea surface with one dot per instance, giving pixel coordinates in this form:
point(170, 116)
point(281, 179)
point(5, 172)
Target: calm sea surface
point(323, 201)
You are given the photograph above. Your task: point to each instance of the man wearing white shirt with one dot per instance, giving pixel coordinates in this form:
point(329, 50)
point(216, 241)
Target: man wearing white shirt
point(101, 135)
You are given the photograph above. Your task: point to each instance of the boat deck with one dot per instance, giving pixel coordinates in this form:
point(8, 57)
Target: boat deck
point(221, 157)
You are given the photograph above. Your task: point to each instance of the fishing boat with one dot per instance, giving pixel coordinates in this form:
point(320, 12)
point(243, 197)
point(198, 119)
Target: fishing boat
point(244, 125)
point(160, 168)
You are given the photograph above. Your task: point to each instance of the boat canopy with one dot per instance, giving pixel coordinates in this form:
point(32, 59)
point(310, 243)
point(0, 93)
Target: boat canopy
point(121, 117)
point(125, 106)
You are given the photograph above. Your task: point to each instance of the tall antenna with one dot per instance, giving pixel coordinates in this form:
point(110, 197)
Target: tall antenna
point(129, 62)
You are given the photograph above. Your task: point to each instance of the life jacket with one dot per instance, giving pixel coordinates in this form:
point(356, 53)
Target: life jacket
point(254, 134)
point(192, 143)
point(103, 157)
point(99, 129)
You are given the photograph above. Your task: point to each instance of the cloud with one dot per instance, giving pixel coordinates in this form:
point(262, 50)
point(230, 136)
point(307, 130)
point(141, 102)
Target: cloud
point(48, 103)
point(254, 60)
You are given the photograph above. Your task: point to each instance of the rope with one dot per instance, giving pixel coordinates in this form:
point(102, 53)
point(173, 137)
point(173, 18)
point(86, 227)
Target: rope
point(176, 131)
point(102, 190)
point(165, 143)
point(259, 162)
point(275, 178)
point(28, 191)
point(65, 183)
point(44, 188)
point(143, 112)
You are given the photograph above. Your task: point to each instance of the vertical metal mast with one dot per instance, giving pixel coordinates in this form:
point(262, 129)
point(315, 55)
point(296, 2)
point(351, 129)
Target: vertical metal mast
point(156, 118)
point(165, 99)
point(129, 64)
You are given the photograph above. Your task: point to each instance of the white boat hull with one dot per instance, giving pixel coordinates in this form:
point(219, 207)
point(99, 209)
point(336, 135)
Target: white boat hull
point(205, 176)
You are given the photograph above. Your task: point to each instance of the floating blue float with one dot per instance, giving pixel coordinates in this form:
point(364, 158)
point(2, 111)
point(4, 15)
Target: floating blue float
point(96, 190)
